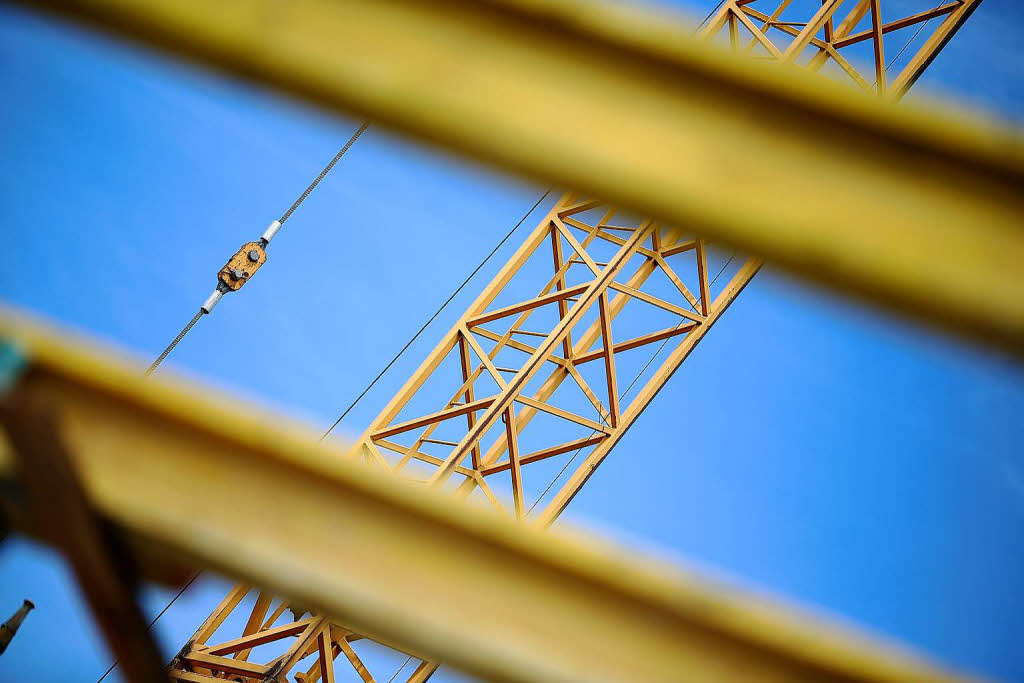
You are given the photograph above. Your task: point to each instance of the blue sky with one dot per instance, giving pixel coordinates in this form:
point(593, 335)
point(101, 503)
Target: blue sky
point(811, 448)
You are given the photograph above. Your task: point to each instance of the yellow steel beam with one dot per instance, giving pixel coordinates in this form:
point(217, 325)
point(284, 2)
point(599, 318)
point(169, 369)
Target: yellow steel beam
point(911, 207)
point(249, 495)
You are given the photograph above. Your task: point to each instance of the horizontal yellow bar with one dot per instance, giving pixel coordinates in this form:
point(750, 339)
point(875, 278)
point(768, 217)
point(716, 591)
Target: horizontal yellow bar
point(910, 206)
point(198, 476)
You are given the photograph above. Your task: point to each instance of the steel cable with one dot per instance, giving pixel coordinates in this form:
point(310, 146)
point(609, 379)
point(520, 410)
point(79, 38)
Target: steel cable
point(287, 214)
point(395, 675)
point(436, 313)
point(324, 172)
point(195, 319)
point(920, 27)
point(170, 347)
point(705, 20)
point(379, 375)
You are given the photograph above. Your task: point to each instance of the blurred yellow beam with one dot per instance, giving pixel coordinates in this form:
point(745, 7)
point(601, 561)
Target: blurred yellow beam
point(914, 208)
point(194, 475)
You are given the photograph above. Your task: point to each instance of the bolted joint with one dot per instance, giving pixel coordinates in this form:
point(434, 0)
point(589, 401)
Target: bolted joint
point(242, 266)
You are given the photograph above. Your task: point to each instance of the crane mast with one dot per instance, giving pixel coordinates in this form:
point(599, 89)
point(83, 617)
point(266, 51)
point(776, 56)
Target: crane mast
point(553, 355)
point(533, 385)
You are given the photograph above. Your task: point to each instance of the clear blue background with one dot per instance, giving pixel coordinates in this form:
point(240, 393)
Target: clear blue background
point(810, 448)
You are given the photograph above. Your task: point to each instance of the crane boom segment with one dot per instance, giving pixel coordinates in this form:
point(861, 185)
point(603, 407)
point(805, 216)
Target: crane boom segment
point(580, 289)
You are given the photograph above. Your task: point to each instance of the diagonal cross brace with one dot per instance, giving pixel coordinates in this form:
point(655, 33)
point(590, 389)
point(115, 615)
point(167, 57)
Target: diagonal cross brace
point(505, 399)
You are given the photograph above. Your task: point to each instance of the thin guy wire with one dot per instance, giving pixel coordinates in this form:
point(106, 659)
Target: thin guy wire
point(622, 395)
point(395, 675)
point(181, 335)
point(381, 374)
point(420, 331)
point(170, 347)
point(287, 214)
point(166, 607)
point(701, 24)
point(920, 28)
point(327, 169)
point(436, 313)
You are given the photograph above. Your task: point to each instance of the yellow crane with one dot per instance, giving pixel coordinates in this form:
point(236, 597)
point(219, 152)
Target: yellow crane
point(178, 475)
point(544, 343)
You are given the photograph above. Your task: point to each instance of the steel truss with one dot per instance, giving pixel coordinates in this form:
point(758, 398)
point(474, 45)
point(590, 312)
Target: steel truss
point(466, 411)
point(483, 403)
point(821, 39)
point(134, 477)
point(509, 379)
point(850, 192)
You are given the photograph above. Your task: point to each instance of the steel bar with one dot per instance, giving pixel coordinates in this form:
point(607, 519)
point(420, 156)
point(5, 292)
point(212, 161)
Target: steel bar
point(924, 209)
point(168, 464)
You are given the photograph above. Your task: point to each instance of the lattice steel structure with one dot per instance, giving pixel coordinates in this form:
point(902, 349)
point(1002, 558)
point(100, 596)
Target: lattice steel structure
point(789, 31)
point(548, 341)
point(553, 353)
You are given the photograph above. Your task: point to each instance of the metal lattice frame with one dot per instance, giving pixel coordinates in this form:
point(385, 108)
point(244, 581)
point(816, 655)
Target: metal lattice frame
point(816, 41)
point(514, 359)
point(469, 433)
point(185, 477)
point(570, 325)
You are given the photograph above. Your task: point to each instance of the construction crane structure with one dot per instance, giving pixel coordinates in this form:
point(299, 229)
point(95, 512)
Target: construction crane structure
point(540, 363)
point(532, 387)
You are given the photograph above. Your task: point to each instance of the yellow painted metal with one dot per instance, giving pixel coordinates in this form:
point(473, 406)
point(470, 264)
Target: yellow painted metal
point(432, 446)
point(917, 207)
point(836, 22)
point(453, 419)
point(252, 495)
